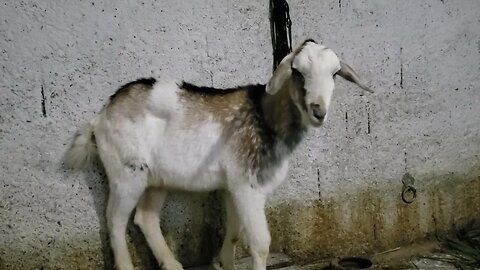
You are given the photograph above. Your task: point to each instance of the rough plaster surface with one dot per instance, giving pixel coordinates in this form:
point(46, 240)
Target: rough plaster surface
point(60, 61)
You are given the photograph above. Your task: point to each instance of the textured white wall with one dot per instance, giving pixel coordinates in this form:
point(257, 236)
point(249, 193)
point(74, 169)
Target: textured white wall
point(61, 60)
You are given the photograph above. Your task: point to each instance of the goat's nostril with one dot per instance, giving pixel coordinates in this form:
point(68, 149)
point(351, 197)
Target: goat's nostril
point(318, 111)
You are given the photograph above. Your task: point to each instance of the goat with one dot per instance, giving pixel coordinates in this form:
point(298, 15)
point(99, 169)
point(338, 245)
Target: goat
point(160, 135)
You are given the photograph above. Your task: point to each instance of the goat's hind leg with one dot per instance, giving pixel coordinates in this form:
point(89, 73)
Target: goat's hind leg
point(127, 184)
point(232, 234)
point(147, 217)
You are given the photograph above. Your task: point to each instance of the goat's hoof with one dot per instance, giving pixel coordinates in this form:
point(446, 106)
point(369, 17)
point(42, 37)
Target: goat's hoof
point(172, 265)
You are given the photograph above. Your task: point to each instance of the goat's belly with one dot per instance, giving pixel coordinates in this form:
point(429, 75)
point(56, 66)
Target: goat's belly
point(187, 159)
point(187, 174)
point(187, 180)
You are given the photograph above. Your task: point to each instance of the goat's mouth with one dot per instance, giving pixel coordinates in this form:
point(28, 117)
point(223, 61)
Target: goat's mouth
point(315, 119)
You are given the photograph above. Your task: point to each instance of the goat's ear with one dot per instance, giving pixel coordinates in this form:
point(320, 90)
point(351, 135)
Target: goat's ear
point(349, 74)
point(280, 75)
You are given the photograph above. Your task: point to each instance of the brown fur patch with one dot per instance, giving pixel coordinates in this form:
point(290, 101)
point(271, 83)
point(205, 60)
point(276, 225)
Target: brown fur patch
point(255, 122)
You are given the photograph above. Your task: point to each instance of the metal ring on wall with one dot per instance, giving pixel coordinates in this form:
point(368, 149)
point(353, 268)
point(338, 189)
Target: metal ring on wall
point(409, 194)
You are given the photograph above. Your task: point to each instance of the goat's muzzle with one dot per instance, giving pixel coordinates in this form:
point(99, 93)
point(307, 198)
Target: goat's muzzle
point(319, 112)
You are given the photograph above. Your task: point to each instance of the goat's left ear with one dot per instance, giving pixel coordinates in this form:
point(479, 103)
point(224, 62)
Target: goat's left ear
point(280, 75)
point(349, 74)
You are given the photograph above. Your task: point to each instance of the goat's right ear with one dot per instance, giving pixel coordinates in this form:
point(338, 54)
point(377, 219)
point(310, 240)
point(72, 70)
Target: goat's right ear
point(349, 74)
point(280, 75)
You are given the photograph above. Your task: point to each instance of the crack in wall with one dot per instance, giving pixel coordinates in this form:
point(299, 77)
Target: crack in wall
point(346, 123)
point(401, 69)
point(44, 99)
point(318, 185)
point(367, 108)
point(368, 122)
point(435, 225)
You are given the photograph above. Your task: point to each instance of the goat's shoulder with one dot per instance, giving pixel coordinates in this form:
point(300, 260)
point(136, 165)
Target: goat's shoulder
point(222, 99)
point(220, 102)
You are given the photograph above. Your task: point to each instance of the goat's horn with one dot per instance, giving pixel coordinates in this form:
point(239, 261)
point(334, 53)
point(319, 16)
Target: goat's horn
point(349, 74)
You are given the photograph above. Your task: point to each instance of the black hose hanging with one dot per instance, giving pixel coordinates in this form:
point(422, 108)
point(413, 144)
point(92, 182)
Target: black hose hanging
point(280, 28)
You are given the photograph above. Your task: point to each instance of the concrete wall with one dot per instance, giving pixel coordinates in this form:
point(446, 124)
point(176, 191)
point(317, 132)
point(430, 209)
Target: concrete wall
point(60, 61)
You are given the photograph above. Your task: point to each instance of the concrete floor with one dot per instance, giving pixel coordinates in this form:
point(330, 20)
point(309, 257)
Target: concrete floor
point(423, 256)
point(414, 264)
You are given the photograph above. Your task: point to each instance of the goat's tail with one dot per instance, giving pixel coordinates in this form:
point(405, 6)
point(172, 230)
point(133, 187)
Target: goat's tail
point(83, 150)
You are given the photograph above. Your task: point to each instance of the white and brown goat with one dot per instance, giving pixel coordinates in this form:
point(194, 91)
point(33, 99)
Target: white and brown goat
point(160, 135)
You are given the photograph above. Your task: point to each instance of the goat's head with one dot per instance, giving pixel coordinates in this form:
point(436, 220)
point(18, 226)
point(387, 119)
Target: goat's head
point(308, 73)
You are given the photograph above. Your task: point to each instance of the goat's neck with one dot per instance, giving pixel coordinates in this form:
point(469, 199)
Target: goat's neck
point(283, 117)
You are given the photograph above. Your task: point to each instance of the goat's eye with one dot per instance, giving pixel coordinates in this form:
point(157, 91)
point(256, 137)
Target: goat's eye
point(295, 72)
point(297, 75)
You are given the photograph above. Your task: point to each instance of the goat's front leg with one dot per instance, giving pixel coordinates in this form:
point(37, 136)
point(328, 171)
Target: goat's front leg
point(250, 205)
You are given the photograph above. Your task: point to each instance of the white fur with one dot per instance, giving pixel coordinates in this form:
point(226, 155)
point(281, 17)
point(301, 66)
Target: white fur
point(159, 151)
point(82, 151)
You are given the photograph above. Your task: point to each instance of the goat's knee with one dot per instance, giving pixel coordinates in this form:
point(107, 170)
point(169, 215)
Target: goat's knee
point(143, 218)
point(261, 245)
